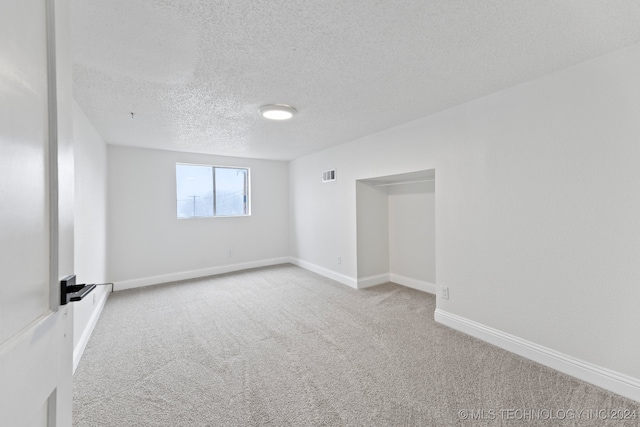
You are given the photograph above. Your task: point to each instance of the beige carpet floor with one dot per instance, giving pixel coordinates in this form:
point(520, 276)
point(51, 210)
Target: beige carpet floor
point(281, 346)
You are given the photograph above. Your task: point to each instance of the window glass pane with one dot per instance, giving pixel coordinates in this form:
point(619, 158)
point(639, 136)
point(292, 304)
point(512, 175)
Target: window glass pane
point(231, 191)
point(194, 190)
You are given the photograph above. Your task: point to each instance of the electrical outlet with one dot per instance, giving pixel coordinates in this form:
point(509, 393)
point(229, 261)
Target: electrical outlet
point(444, 292)
point(339, 260)
point(229, 254)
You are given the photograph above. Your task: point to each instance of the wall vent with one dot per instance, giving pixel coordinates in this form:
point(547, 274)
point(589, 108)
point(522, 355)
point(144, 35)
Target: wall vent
point(328, 176)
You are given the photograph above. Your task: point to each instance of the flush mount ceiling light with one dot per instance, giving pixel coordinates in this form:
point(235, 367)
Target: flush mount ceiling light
point(277, 111)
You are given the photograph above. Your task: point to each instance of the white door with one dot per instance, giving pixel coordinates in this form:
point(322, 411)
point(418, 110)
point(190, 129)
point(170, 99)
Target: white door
point(35, 331)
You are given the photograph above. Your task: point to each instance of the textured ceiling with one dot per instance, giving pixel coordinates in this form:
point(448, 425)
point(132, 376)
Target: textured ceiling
point(195, 72)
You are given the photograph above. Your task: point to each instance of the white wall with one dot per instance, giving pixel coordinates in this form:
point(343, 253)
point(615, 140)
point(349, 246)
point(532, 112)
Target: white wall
point(372, 224)
point(412, 226)
point(90, 240)
point(148, 244)
point(537, 208)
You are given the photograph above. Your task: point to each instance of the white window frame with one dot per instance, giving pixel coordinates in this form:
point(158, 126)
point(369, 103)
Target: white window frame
point(214, 167)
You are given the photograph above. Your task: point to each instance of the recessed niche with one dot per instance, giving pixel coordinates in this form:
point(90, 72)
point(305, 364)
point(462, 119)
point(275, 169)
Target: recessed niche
point(396, 230)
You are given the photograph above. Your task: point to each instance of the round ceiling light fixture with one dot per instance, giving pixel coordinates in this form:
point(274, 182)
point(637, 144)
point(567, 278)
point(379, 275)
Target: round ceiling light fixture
point(277, 111)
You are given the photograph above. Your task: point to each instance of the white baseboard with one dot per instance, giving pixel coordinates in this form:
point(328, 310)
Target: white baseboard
point(193, 274)
point(615, 382)
point(367, 282)
point(409, 282)
point(338, 277)
point(88, 330)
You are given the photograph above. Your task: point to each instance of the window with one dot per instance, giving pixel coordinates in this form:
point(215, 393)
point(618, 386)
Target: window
point(205, 191)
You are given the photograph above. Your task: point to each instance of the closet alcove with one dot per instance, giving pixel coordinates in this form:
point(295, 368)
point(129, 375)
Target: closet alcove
point(396, 230)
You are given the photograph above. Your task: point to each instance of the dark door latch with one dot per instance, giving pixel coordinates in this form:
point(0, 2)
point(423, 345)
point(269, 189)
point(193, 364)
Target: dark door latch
point(69, 291)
